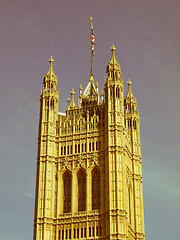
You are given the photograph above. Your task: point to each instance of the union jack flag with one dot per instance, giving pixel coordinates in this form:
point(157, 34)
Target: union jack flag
point(92, 40)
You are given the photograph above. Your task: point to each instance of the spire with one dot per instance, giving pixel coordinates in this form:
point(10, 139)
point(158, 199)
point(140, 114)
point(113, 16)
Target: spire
point(80, 90)
point(72, 103)
point(51, 71)
point(113, 66)
point(113, 58)
point(130, 97)
point(50, 79)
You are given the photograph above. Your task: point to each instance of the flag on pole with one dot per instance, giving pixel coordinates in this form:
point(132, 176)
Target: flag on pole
point(92, 40)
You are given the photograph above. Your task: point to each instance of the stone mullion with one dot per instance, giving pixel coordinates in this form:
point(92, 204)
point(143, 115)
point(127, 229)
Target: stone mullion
point(74, 192)
point(88, 192)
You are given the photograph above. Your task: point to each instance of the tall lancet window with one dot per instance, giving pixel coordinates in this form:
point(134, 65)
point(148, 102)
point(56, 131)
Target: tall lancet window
point(96, 189)
point(81, 190)
point(67, 192)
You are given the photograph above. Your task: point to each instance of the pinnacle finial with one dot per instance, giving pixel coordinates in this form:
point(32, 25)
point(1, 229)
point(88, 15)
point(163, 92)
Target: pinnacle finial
point(129, 93)
point(72, 103)
point(72, 92)
point(113, 48)
point(113, 58)
point(91, 79)
point(129, 82)
point(51, 71)
point(51, 60)
point(91, 18)
point(97, 85)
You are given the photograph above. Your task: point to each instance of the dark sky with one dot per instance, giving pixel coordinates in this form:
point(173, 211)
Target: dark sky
point(147, 38)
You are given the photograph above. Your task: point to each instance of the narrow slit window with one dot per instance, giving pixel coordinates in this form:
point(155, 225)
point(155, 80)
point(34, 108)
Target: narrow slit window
point(93, 231)
point(85, 232)
point(90, 147)
point(85, 147)
point(89, 231)
point(77, 232)
point(78, 148)
point(81, 232)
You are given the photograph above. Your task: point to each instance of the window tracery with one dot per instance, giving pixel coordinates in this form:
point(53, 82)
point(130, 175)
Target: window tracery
point(81, 190)
point(67, 192)
point(96, 192)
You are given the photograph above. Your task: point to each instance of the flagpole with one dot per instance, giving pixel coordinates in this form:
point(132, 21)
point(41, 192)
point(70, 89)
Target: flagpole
point(91, 65)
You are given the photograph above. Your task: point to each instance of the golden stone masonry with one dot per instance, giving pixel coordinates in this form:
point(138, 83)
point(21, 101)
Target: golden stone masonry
point(89, 178)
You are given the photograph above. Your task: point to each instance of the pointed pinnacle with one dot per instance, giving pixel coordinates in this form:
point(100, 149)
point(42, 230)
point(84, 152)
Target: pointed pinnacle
point(129, 82)
point(72, 92)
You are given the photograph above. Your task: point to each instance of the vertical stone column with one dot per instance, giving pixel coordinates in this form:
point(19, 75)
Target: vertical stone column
point(88, 191)
point(74, 192)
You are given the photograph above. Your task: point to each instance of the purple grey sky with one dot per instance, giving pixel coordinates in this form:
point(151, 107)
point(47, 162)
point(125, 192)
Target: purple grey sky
point(147, 37)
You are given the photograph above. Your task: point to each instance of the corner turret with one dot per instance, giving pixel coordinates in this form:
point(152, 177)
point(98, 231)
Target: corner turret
point(50, 79)
point(113, 69)
point(130, 103)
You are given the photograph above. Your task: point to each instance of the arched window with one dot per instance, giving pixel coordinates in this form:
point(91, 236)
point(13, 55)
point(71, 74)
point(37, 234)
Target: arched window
point(89, 231)
point(71, 149)
point(52, 104)
point(93, 146)
point(81, 232)
point(85, 147)
point(67, 192)
point(81, 190)
point(66, 234)
point(90, 147)
point(68, 150)
point(78, 148)
point(77, 232)
point(46, 104)
point(93, 231)
point(85, 232)
point(96, 189)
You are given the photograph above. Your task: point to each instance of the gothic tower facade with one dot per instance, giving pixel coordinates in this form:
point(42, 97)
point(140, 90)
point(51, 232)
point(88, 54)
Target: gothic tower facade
point(89, 178)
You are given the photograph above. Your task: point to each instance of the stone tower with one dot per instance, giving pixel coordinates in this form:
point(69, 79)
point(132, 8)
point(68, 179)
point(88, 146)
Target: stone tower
point(89, 180)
